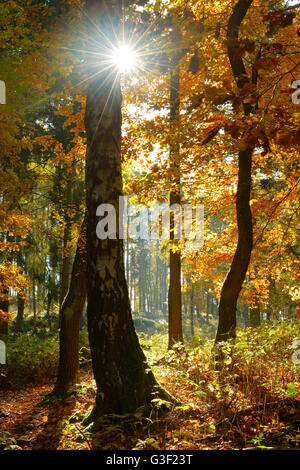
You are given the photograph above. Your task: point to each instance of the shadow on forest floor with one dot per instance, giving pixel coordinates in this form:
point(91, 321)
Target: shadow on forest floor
point(200, 423)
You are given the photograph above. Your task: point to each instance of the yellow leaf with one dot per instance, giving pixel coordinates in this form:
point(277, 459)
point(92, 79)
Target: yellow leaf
point(252, 201)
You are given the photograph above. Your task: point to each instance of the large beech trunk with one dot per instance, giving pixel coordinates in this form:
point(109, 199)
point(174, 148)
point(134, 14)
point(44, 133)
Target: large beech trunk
point(124, 380)
point(71, 312)
point(237, 273)
point(174, 294)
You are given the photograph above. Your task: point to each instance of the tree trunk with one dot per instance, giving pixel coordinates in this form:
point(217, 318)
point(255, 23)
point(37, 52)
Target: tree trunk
point(235, 278)
point(246, 316)
point(71, 313)
point(20, 315)
point(236, 275)
point(269, 305)
point(208, 308)
point(124, 380)
point(34, 304)
point(192, 311)
point(255, 315)
point(66, 259)
point(49, 301)
point(174, 296)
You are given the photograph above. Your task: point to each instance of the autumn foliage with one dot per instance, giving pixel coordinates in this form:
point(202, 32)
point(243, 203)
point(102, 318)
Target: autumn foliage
point(236, 64)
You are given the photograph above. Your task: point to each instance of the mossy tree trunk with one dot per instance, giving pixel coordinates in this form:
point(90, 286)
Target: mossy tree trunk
point(71, 313)
point(124, 380)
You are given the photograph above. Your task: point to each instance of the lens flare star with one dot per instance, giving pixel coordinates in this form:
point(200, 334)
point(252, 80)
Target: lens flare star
point(124, 58)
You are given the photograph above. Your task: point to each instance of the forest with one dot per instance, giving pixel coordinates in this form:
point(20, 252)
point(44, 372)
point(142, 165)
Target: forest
point(149, 225)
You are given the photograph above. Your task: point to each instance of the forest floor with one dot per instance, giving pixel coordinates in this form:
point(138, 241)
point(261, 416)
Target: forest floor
point(212, 415)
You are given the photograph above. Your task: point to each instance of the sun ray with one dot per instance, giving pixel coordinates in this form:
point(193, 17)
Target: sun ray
point(127, 53)
point(96, 26)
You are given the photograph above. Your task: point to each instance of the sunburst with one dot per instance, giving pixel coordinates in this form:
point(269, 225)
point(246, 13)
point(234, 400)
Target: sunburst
point(124, 58)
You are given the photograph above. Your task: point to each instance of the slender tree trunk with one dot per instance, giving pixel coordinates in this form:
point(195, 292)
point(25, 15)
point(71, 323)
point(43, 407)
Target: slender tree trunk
point(255, 315)
point(165, 289)
point(269, 306)
point(67, 256)
point(157, 288)
point(49, 301)
point(174, 296)
point(236, 275)
point(192, 319)
point(246, 316)
point(20, 315)
point(207, 306)
point(192, 310)
point(34, 303)
point(127, 261)
point(124, 380)
point(20, 297)
point(235, 278)
point(71, 313)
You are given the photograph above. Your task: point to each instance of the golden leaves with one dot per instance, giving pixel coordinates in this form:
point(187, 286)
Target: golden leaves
point(215, 123)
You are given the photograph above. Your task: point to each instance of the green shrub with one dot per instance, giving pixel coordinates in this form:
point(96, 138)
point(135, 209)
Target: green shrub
point(29, 359)
point(146, 325)
point(34, 359)
point(38, 327)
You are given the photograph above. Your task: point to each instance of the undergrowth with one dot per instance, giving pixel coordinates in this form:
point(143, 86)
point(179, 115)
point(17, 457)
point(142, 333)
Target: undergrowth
point(32, 359)
point(250, 400)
